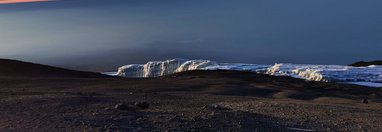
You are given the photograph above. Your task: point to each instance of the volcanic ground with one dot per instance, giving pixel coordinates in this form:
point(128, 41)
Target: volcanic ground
point(36, 97)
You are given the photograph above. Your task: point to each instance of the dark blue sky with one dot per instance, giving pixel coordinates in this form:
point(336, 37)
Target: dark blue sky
point(108, 33)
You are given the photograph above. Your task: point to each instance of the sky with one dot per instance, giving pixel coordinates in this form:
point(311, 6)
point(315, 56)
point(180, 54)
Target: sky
point(104, 34)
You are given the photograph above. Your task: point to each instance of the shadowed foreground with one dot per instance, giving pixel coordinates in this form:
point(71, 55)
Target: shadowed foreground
point(190, 101)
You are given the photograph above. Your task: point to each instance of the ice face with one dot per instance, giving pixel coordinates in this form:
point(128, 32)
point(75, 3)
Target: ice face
point(151, 69)
point(335, 73)
point(328, 72)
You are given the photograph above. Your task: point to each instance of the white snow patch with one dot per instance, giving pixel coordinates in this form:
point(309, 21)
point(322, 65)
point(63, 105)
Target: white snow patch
point(110, 73)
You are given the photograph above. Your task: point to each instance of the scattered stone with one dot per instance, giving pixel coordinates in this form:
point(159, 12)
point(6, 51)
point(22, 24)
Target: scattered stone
point(107, 108)
point(142, 105)
point(212, 114)
point(121, 107)
point(365, 101)
point(218, 107)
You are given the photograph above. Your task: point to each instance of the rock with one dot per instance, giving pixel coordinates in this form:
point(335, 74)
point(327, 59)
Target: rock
point(142, 105)
point(365, 101)
point(218, 107)
point(136, 106)
point(364, 63)
point(212, 114)
point(121, 107)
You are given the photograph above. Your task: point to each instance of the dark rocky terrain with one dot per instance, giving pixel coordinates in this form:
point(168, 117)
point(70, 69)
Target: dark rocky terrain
point(365, 63)
point(54, 99)
point(14, 68)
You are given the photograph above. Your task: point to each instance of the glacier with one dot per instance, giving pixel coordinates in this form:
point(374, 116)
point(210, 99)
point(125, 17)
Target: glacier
point(161, 68)
point(328, 73)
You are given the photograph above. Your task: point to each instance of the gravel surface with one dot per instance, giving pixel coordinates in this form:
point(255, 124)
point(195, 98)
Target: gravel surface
point(191, 101)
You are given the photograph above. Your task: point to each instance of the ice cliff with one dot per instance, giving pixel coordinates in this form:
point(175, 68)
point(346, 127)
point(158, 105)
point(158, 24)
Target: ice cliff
point(160, 68)
point(309, 72)
point(334, 73)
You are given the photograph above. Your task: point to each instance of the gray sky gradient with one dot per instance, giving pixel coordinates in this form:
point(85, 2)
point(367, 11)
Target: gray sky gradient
point(107, 33)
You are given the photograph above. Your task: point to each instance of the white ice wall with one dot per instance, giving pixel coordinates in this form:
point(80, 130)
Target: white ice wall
point(309, 72)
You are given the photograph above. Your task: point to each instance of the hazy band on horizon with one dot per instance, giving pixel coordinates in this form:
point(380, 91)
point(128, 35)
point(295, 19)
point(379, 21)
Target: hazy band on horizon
point(21, 1)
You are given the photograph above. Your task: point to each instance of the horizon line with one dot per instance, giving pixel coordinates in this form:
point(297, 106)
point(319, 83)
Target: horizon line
point(22, 1)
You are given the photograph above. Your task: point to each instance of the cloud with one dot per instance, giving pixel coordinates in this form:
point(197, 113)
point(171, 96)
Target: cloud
point(21, 1)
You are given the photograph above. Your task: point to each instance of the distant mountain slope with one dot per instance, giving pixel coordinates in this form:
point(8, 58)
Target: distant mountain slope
point(14, 68)
point(365, 63)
